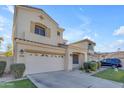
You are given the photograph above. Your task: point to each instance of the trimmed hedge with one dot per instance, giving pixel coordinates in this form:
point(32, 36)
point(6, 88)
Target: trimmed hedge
point(87, 66)
point(17, 69)
point(2, 67)
point(93, 66)
point(99, 64)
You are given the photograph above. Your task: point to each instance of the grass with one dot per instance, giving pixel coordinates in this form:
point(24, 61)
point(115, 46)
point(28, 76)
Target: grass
point(111, 74)
point(18, 84)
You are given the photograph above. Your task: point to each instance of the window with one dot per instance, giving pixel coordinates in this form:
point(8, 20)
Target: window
point(90, 47)
point(39, 30)
point(75, 59)
point(58, 33)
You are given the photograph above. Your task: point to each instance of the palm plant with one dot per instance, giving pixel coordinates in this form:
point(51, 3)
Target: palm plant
point(1, 39)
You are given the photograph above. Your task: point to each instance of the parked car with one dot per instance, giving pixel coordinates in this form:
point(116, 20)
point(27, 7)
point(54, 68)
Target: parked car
point(114, 62)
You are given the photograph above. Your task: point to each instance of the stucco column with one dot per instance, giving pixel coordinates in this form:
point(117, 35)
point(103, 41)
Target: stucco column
point(81, 59)
point(86, 57)
point(68, 60)
point(21, 55)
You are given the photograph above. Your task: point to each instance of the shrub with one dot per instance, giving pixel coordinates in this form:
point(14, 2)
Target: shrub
point(99, 64)
point(81, 68)
point(2, 67)
point(17, 69)
point(87, 66)
point(93, 61)
point(93, 66)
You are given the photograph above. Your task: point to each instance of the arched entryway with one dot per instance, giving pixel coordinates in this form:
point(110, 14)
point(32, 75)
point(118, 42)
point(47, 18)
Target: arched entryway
point(77, 60)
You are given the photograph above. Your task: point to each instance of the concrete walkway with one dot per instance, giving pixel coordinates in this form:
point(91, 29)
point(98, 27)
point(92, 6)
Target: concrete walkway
point(73, 79)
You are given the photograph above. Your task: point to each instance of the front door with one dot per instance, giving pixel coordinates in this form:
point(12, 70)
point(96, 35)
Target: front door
point(75, 61)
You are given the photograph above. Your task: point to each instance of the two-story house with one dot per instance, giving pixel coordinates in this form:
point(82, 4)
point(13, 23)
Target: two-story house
point(38, 43)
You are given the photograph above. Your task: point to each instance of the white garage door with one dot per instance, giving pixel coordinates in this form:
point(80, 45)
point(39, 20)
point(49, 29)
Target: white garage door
point(43, 63)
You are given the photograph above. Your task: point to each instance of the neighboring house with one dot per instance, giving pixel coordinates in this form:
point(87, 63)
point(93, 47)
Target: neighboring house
point(2, 53)
point(118, 54)
point(39, 44)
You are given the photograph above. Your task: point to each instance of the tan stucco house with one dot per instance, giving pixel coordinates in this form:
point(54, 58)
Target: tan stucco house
point(38, 43)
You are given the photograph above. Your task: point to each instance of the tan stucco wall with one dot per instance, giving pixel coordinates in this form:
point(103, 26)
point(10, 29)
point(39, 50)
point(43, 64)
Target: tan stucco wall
point(69, 58)
point(23, 26)
point(83, 45)
point(20, 44)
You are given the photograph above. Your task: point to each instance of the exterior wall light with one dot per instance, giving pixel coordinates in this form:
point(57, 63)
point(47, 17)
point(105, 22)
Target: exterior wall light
point(21, 51)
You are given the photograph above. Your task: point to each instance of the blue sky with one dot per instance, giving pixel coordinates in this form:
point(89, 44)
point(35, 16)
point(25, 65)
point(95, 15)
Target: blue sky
point(102, 24)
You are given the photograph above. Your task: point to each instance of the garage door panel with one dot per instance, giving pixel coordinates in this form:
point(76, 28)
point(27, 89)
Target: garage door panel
point(38, 64)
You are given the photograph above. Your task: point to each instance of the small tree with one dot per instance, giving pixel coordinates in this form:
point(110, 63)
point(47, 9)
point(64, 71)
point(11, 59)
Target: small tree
point(1, 39)
point(17, 70)
point(2, 67)
point(9, 50)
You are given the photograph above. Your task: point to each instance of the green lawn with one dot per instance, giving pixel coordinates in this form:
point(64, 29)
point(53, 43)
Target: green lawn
point(18, 84)
point(110, 74)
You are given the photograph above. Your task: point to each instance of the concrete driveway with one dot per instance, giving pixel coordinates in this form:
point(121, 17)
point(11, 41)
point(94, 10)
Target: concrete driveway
point(73, 79)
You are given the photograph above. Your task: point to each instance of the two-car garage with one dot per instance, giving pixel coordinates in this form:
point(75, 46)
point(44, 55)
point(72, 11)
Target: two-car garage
point(37, 63)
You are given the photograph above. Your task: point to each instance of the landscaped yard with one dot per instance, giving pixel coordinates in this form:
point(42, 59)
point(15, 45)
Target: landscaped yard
point(111, 74)
point(18, 84)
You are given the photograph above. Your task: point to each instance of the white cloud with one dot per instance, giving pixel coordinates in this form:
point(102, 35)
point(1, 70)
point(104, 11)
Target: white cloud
point(73, 34)
point(119, 31)
point(117, 43)
point(7, 40)
point(96, 35)
point(3, 46)
point(5, 32)
point(110, 47)
point(101, 48)
point(7, 36)
point(86, 21)
point(88, 37)
point(9, 8)
point(1, 28)
point(78, 32)
point(104, 48)
point(3, 20)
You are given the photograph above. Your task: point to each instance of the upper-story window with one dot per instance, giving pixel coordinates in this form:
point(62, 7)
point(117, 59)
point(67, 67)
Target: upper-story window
point(90, 47)
point(58, 33)
point(39, 30)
